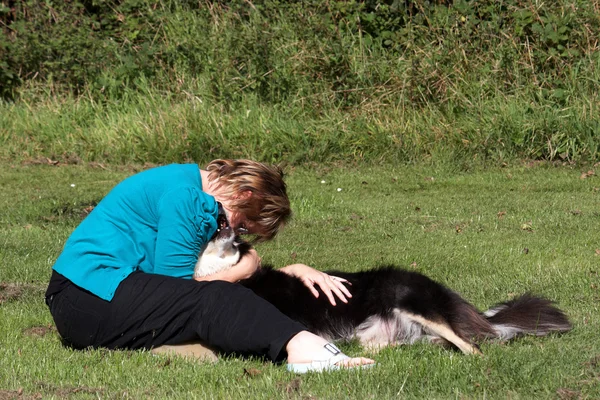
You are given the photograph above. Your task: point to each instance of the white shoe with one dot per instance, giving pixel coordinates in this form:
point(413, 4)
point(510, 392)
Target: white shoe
point(335, 356)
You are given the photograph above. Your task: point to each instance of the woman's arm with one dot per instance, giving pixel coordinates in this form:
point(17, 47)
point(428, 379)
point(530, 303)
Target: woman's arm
point(186, 220)
point(247, 265)
point(330, 285)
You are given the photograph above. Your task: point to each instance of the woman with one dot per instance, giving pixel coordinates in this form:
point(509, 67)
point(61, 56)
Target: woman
point(123, 279)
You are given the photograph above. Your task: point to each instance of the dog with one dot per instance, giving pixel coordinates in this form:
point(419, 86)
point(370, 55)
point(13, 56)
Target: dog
point(389, 305)
point(392, 306)
point(222, 251)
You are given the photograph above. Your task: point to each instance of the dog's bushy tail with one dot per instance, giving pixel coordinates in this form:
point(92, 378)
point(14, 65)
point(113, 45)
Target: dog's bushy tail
point(526, 315)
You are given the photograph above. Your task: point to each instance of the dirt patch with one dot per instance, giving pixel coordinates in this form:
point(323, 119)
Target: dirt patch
point(51, 390)
point(39, 331)
point(40, 161)
point(291, 388)
point(66, 391)
point(15, 291)
point(252, 372)
point(568, 394)
point(55, 160)
point(69, 210)
point(594, 365)
point(10, 291)
point(18, 395)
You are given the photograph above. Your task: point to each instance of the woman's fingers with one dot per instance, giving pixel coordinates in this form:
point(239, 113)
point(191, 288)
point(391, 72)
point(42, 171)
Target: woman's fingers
point(311, 286)
point(340, 284)
point(331, 286)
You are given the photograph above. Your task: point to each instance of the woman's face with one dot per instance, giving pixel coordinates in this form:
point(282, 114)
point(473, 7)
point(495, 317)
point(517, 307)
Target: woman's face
point(237, 221)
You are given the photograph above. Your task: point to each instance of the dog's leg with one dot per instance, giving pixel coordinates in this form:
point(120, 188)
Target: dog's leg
point(444, 331)
point(196, 351)
point(376, 333)
point(439, 341)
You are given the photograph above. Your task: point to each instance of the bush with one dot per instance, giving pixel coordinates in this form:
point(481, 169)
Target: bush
point(277, 49)
point(484, 78)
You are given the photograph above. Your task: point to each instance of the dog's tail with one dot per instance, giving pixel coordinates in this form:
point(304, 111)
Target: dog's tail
point(526, 315)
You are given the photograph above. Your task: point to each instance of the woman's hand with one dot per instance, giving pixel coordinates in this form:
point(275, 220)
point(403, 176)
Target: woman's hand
point(330, 285)
point(244, 269)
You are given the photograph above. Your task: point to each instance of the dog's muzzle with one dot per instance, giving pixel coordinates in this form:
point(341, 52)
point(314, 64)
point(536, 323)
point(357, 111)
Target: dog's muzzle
point(223, 228)
point(223, 233)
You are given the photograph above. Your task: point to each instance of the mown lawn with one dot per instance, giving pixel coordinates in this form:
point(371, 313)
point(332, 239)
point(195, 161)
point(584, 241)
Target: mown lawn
point(489, 234)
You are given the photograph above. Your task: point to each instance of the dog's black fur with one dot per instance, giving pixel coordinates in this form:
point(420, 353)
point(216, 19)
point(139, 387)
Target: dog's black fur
point(391, 306)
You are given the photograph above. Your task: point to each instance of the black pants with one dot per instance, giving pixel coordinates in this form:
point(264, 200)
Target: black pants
point(150, 310)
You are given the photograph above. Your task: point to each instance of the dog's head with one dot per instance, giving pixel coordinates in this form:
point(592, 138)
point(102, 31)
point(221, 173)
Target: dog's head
point(222, 252)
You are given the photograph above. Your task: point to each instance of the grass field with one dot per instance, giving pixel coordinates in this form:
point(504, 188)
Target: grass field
point(489, 234)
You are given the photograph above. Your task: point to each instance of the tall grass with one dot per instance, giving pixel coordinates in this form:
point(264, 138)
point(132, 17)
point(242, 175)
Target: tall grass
point(156, 128)
point(313, 82)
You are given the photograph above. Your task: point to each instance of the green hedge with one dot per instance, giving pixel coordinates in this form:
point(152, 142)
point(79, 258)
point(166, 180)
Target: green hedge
point(277, 49)
point(316, 80)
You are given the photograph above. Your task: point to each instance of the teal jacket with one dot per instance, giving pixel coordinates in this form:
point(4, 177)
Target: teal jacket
point(155, 221)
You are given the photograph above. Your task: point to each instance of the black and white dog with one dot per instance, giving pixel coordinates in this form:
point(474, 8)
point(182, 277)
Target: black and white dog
point(389, 305)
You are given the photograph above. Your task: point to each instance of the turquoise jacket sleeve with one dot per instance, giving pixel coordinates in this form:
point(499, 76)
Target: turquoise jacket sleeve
point(186, 222)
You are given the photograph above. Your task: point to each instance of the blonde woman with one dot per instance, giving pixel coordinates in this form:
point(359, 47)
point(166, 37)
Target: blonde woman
point(124, 277)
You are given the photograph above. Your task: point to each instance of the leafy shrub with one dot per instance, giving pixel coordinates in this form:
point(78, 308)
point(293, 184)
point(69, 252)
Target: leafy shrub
point(484, 77)
point(277, 49)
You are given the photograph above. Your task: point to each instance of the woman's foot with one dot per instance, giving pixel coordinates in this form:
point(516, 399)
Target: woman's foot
point(309, 352)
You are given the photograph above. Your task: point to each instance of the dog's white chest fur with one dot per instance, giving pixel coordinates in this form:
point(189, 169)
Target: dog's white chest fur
point(219, 254)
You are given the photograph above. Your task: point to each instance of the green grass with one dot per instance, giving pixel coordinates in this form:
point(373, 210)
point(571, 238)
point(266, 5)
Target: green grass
point(467, 230)
point(149, 126)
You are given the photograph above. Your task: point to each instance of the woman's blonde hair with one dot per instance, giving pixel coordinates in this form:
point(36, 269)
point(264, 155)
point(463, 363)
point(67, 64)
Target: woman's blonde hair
point(268, 208)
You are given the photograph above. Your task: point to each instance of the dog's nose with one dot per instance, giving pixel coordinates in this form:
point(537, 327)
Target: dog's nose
point(225, 232)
